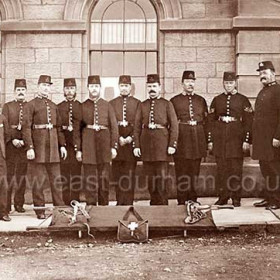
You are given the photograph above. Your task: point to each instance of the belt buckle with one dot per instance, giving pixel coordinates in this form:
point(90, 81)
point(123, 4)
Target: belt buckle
point(49, 126)
point(192, 122)
point(70, 128)
point(124, 123)
point(19, 127)
point(96, 127)
point(152, 126)
point(227, 119)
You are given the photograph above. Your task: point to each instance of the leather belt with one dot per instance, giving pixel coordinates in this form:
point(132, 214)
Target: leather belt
point(153, 126)
point(124, 123)
point(191, 122)
point(229, 119)
point(96, 127)
point(43, 126)
point(16, 126)
point(67, 127)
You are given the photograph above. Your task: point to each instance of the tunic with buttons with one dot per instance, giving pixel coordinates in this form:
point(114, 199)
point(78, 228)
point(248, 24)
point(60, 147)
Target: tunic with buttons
point(71, 114)
point(228, 138)
point(266, 125)
point(155, 142)
point(191, 141)
point(125, 109)
point(96, 145)
point(45, 142)
point(13, 111)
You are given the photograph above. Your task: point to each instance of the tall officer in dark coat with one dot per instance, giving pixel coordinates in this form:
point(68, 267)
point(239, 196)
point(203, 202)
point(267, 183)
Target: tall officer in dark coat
point(15, 150)
point(266, 134)
point(191, 110)
point(230, 122)
point(4, 139)
point(44, 141)
point(99, 143)
point(124, 165)
point(155, 133)
point(70, 113)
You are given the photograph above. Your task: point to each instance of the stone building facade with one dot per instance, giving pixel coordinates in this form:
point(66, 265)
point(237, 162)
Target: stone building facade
point(209, 36)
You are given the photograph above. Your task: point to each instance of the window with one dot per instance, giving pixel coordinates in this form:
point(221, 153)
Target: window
point(123, 42)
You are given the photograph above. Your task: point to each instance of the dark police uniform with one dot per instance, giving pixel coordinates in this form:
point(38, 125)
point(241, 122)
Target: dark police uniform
point(230, 121)
point(4, 138)
point(266, 126)
point(16, 157)
point(99, 135)
point(41, 131)
point(124, 165)
point(191, 111)
point(70, 113)
point(156, 129)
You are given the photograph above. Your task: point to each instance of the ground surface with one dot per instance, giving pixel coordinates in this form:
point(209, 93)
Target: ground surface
point(203, 255)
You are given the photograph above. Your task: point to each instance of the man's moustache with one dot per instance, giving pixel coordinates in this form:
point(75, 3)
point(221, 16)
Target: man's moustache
point(152, 91)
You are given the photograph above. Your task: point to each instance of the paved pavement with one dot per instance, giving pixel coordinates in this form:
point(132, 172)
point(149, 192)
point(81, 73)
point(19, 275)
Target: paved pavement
point(246, 215)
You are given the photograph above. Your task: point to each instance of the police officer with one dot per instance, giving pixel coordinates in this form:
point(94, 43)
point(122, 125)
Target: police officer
point(124, 165)
point(230, 121)
point(44, 140)
point(4, 138)
point(191, 111)
point(266, 135)
point(99, 143)
point(15, 149)
point(156, 133)
point(70, 112)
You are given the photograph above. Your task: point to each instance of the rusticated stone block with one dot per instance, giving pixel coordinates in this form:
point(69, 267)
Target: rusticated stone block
point(46, 12)
point(174, 70)
point(180, 54)
point(65, 55)
point(193, 10)
point(173, 39)
point(42, 55)
point(215, 86)
point(205, 70)
point(71, 70)
point(258, 42)
point(247, 64)
point(14, 70)
point(34, 70)
point(224, 67)
point(46, 40)
point(20, 55)
point(168, 86)
point(222, 54)
point(249, 86)
point(9, 41)
point(219, 10)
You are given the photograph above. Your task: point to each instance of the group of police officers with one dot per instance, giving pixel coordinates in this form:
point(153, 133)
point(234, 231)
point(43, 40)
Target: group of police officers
point(58, 141)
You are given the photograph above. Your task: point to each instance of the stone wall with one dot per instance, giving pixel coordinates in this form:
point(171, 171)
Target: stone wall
point(209, 54)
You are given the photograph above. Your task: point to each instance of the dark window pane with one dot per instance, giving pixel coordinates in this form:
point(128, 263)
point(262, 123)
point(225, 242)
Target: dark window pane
point(133, 12)
point(135, 63)
point(148, 8)
point(112, 64)
point(100, 8)
point(151, 62)
point(114, 11)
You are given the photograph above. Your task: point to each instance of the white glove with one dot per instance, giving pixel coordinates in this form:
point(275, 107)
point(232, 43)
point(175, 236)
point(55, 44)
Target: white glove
point(210, 146)
point(17, 143)
point(63, 153)
point(114, 153)
point(137, 152)
point(275, 143)
point(171, 150)
point(128, 139)
point(122, 141)
point(245, 146)
point(79, 156)
point(30, 154)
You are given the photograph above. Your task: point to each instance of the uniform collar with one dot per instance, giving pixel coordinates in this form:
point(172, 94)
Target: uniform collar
point(71, 100)
point(187, 94)
point(41, 97)
point(271, 84)
point(154, 98)
point(232, 93)
point(20, 101)
point(96, 100)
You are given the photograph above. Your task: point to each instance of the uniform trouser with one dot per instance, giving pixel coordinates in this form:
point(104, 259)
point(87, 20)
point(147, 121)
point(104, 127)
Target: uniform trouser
point(16, 176)
point(97, 179)
point(229, 177)
point(71, 181)
point(124, 179)
point(271, 173)
point(187, 171)
point(156, 177)
point(3, 186)
point(41, 176)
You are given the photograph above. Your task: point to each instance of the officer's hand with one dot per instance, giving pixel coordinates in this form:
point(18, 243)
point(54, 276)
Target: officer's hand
point(21, 143)
point(114, 153)
point(63, 153)
point(171, 150)
point(122, 141)
point(210, 146)
point(246, 146)
point(128, 139)
point(276, 143)
point(79, 156)
point(137, 152)
point(16, 143)
point(30, 154)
